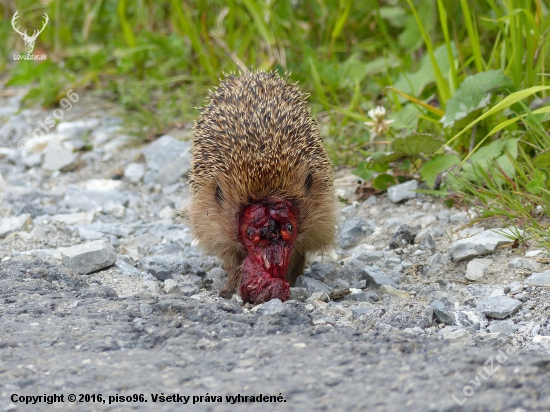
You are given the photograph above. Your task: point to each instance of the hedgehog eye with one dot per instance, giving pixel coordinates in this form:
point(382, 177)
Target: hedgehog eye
point(219, 195)
point(289, 228)
point(309, 182)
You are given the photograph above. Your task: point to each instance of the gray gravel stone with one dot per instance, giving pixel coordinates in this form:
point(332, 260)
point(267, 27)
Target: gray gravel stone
point(171, 286)
point(434, 265)
point(356, 297)
point(516, 287)
point(443, 311)
point(162, 266)
point(409, 316)
point(269, 308)
point(358, 312)
point(215, 279)
point(481, 244)
point(339, 284)
point(9, 225)
point(89, 257)
point(392, 261)
point(477, 268)
point(138, 246)
point(311, 285)
point(522, 263)
point(323, 271)
point(539, 279)
point(371, 297)
point(318, 295)
point(396, 221)
point(300, 294)
point(427, 244)
point(174, 170)
point(76, 129)
point(459, 217)
point(444, 216)
point(58, 156)
point(375, 277)
point(499, 307)
point(390, 290)
point(189, 289)
point(353, 231)
point(146, 309)
point(84, 199)
point(32, 159)
point(134, 172)
point(166, 249)
point(403, 191)
point(180, 235)
point(164, 151)
point(506, 327)
point(469, 319)
point(109, 228)
point(404, 235)
point(369, 257)
point(130, 270)
point(359, 284)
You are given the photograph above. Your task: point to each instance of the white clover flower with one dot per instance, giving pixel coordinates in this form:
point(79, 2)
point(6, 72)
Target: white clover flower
point(379, 125)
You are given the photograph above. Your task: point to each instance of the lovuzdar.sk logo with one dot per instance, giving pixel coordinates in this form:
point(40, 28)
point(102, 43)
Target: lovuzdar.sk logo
point(29, 40)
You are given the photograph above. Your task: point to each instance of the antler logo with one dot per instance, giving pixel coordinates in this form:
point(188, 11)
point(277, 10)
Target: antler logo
point(29, 40)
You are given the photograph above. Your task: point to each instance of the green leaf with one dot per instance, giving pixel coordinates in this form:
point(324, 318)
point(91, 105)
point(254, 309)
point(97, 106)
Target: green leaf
point(354, 70)
point(383, 181)
point(535, 186)
point(510, 150)
point(438, 164)
point(414, 144)
point(542, 161)
point(380, 161)
point(396, 16)
point(484, 154)
point(406, 118)
point(485, 157)
point(381, 64)
point(414, 83)
point(363, 171)
point(411, 38)
point(474, 93)
point(449, 202)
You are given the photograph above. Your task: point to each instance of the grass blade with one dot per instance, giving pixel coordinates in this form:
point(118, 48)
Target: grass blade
point(442, 87)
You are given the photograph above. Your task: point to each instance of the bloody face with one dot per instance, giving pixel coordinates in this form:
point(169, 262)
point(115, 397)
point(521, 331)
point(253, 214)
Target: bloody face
point(268, 231)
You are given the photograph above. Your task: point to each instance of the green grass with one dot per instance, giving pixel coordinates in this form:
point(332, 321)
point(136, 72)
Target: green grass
point(469, 74)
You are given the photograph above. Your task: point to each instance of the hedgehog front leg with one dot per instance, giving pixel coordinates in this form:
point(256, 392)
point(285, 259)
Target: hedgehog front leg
point(233, 267)
point(296, 268)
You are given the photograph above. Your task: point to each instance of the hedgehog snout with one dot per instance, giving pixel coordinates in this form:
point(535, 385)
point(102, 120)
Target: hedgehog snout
point(268, 231)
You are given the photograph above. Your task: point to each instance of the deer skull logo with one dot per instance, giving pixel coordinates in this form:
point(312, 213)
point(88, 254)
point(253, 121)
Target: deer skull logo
point(29, 40)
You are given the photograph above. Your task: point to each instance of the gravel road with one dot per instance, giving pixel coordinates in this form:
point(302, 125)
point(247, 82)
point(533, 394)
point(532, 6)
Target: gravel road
point(61, 336)
point(104, 295)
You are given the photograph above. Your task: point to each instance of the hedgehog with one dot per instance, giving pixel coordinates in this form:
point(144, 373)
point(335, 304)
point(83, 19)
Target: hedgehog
point(262, 184)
